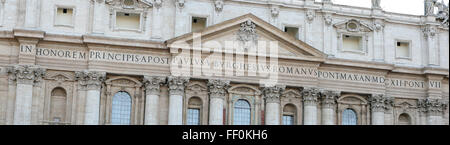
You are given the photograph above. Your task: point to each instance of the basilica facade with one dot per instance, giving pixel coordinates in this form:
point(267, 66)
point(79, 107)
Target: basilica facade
point(221, 62)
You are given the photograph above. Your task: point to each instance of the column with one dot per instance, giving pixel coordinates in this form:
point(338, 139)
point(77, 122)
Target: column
point(99, 16)
point(379, 104)
point(429, 32)
point(176, 94)
point(310, 99)
point(272, 96)
point(181, 18)
point(32, 10)
point(157, 19)
point(218, 7)
point(378, 43)
point(328, 100)
point(92, 81)
point(25, 77)
point(152, 85)
point(217, 91)
point(434, 109)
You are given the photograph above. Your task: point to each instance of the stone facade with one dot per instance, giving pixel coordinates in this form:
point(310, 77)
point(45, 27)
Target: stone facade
point(70, 73)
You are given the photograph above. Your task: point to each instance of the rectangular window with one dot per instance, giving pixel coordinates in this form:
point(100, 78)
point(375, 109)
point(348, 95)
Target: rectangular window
point(352, 43)
point(128, 21)
point(198, 24)
point(64, 16)
point(193, 116)
point(403, 49)
point(288, 120)
point(293, 31)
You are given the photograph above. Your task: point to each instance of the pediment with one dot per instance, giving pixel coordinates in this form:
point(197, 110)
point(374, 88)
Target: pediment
point(248, 31)
point(129, 4)
point(353, 26)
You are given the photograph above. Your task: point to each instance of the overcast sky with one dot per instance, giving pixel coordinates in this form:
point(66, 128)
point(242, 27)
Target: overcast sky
point(414, 7)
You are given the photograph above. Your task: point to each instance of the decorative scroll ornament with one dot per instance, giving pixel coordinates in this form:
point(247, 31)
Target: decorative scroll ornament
point(378, 26)
point(274, 10)
point(25, 74)
point(329, 98)
point(218, 4)
point(434, 107)
point(310, 96)
point(180, 3)
point(153, 83)
point(177, 84)
point(90, 79)
point(217, 88)
point(310, 14)
point(272, 94)
point(429, 31)
point(328, 20)
point(379, 103)
point(247, 33)
point(157, 3)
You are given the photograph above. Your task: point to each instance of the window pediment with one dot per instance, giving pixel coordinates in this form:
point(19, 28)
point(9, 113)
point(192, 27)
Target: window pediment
point(353, 26)
point(129, 4)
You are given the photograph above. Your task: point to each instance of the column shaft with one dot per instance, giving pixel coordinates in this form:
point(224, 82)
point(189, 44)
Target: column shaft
point(272, 114)
point(216, 111)
point(24, 99)
point(217, 91)
point(92, 114)
point(175, 110)
point(152, 91)
point(176, 94)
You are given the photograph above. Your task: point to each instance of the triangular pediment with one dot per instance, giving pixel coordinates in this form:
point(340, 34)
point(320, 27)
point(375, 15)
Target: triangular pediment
point(249, 31)
point(129, 4)
point(353, 26)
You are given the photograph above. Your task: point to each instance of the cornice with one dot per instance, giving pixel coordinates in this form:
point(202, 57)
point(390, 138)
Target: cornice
point(122, 41)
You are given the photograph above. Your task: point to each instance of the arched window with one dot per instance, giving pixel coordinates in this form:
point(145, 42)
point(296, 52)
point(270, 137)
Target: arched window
point(121, 109)
point(193, 111)
point(404, 119)
point(242, 113)
point(289, 112)
point(349, 117)
point(58, 102)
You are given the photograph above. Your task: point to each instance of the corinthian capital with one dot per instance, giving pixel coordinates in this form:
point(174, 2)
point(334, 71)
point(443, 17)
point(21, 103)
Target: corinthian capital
point(434, 107)
point(153, 83)
point(272, 94)
point(329, 98)
point(310, 96)
point(177, 84)
point(380, 103)
point(217, 88)
point(92, 80)
point(25, 74)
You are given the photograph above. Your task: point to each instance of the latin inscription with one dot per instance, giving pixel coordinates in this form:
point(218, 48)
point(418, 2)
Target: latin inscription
point(299, 71)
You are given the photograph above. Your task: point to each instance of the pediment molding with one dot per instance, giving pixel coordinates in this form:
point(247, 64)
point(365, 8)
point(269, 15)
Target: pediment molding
point(251, 24)
point(353, 26)
point(129, 4)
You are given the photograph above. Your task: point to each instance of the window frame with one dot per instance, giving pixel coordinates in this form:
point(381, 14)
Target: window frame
point(293, 114)
point(114, 20)
point(356, 116)
point(199, 107)
point(250, 107)
point(363, 43)
point(409, 49)
point(74, 12)
point(191, 16)
point(131, 108)
point(293, 26)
